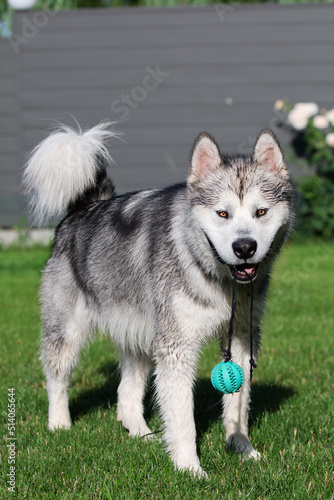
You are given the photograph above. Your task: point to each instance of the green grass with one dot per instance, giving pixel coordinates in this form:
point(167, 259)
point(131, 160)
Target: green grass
point(292, 402)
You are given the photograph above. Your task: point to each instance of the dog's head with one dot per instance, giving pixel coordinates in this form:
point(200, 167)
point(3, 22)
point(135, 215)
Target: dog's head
point(242, 205)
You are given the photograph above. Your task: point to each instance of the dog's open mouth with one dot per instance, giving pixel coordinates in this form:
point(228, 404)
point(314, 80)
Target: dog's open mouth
point(245, 272)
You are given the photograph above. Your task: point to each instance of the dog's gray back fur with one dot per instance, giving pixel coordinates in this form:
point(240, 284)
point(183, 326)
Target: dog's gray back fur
point(150, 269)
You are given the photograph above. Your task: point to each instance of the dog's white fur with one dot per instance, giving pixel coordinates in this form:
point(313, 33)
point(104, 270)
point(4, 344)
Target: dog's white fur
point(66, 154)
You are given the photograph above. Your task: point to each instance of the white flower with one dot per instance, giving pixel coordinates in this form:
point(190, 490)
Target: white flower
point(300, 114)
point(330, 139)
point(320, 121)
point(330, 116)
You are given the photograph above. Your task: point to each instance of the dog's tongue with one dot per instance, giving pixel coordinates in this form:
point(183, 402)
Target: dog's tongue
point(245, 272)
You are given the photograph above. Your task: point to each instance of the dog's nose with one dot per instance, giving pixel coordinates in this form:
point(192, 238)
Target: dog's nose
point(244, 248)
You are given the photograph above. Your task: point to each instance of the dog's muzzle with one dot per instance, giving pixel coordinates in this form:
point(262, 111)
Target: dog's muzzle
point(244, 248)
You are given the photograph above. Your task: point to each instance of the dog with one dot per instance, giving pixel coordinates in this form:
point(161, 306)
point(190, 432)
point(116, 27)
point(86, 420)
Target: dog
point(154, 269)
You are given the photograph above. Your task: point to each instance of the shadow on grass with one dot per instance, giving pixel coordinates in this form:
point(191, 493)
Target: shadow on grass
point(265, 398)
point(105, 396)
point(102, 397)
point(269, 398)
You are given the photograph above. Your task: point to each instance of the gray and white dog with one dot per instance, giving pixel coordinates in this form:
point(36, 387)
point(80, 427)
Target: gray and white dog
point(154, 269)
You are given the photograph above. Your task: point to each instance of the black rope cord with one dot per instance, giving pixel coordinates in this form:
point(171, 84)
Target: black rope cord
point(253, 365)
point(227, 352)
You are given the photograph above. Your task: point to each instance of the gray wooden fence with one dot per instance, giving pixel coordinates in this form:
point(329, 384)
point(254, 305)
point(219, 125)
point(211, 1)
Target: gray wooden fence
point(164, 74)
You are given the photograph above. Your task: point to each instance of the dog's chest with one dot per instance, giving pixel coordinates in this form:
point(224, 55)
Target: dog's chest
point(199, 319)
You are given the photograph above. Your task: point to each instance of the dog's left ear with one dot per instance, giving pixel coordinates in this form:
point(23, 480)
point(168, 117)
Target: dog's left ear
point(205, 158)
point(267, 152)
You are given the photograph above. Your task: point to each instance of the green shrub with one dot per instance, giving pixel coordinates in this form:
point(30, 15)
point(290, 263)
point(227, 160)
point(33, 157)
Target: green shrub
point(315, 206)
point(314, 140)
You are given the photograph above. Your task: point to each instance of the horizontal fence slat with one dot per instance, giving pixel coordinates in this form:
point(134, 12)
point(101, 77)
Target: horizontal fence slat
point(120, 58)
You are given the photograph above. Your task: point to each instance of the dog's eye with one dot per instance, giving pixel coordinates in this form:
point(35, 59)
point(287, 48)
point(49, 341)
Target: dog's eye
point(261, 212)
point(223, 214)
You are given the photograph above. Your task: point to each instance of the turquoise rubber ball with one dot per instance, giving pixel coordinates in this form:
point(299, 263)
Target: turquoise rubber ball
point(227, 377)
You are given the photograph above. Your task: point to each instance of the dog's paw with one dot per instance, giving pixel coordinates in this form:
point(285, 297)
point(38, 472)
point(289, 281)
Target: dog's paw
point(184, 463)
point(197, 471)
point(58, 425)
point(136, 425)
point(251, 455)
point(59, 417)
point(201, 474)
point(241, 444)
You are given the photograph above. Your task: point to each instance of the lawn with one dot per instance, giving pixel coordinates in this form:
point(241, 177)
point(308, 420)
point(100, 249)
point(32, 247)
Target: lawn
point(292, 402)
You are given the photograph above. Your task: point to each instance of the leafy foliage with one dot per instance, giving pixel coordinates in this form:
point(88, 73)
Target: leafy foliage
point(314, 140)
point(315, 211)
point(315, 193)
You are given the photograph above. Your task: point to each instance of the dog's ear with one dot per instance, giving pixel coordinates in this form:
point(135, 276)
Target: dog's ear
point(205, 158)
point(267, 152)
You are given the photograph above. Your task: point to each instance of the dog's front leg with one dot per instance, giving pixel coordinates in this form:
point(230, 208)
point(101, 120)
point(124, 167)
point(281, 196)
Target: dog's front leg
point(236, 405)
point(175, 371)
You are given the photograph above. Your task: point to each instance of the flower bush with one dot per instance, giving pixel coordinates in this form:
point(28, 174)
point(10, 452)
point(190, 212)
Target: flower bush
point(313, 131)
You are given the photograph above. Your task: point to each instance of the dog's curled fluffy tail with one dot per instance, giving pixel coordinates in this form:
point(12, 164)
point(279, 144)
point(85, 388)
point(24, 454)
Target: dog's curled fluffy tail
point(68, 170)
